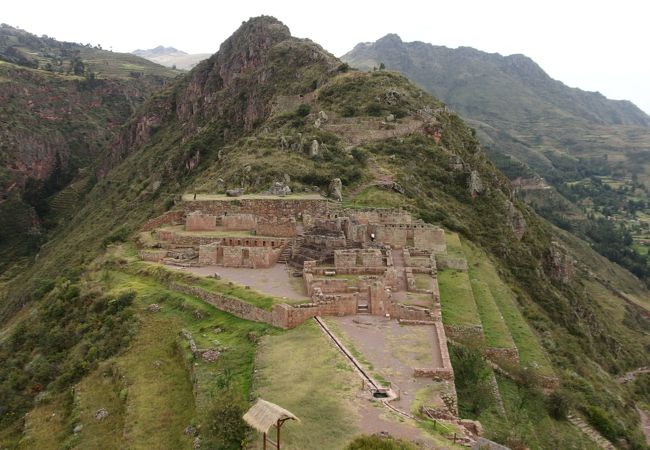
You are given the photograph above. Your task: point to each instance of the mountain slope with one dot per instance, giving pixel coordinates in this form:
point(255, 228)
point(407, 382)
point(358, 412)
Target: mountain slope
point(171, 57)
point(60, 105)
point(592, 152)
point(244, 118)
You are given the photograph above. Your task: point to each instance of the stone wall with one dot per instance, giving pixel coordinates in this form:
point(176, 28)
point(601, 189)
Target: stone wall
point(376, 215)
point(466, 333)
point(430, 238)
point(200, 222)
point(153, 255)
point(449, 262)
point(407, 312)
point(169, 218)
point(502, 354)
point(238, 256)
point(358, 258)
point(238, 222)
point(228, 304)
point(287, 228)
point(268, 208)
point(327, 285)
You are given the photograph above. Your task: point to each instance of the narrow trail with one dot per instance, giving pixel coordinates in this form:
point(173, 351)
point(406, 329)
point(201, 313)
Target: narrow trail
point(631, 375)
point(587, 429)
point(645, 424)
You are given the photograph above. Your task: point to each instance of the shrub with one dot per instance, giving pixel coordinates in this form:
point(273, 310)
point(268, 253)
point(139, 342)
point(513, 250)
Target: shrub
point(360, 155)
point(557, 405)
point(303, 110)
point(119, 235)
point(379, 443)
point(225, 426)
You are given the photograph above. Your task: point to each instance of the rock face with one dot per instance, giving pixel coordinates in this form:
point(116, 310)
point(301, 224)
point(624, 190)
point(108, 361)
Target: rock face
point(560, 263)
point(475, 185)
point(516, 219)
point(335, 189)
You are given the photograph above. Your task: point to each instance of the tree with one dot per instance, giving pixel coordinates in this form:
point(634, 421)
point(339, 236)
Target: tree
point(382, 66)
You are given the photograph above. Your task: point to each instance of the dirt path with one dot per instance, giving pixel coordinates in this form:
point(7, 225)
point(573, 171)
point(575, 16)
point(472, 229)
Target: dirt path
point(631, 376)
point(645, 424)
point(274, 280)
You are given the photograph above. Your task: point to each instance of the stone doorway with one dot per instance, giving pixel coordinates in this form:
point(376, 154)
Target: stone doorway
point(246, 257)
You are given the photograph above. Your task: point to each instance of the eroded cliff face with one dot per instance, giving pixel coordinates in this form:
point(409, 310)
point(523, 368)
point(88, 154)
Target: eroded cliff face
point(260, 60)
point(46, 114)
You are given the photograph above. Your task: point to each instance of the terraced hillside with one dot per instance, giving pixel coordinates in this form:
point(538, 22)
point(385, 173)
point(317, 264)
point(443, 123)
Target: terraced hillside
point(272, 108)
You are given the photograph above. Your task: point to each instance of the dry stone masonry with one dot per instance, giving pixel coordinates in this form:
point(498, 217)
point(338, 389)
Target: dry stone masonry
point(352, 261)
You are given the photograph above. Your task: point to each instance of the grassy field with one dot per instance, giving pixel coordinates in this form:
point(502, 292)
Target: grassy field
point(457, 299)
point(320, 392)
point(495, 329)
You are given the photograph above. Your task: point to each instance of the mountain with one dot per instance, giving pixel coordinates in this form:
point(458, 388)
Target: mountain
point(62, 103)
point(579, 158)
point(94, 341)
point(170, 57)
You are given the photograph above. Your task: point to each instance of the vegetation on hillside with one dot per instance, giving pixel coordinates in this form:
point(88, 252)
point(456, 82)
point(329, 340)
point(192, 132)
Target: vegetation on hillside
point(247, 117)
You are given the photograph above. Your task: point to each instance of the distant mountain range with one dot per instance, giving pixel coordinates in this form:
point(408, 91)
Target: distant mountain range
point(171, 57)
point(594, 152)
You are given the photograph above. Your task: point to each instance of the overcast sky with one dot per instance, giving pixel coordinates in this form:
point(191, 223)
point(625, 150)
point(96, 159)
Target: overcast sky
point(594, 45)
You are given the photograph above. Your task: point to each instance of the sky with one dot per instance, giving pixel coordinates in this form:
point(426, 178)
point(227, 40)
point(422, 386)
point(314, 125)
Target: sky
point(594, 45)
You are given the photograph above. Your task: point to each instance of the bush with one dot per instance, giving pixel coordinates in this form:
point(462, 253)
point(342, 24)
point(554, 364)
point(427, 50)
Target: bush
point(360, 155)
point(472, 381)
point(557, 405)
point(119, 235)
point(225, 426)
point(303, 110)
point(379, 443)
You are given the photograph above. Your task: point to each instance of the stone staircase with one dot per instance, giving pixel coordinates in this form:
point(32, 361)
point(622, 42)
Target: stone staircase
point(362, 309)
point(587, 429)
point(291, 249)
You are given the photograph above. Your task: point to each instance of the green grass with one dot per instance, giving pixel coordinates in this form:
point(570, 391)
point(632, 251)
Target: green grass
point(495, 329)
point(457, 299)
point(454, 247)
point(163, 274)
point(320, 392)
point(490, 289)
point(374, 196)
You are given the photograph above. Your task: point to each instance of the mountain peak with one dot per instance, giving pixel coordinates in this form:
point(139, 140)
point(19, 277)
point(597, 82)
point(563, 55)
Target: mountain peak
point(391, 38)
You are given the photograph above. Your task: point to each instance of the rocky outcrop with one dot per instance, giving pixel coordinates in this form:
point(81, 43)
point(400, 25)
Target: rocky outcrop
point(336, 189)
point(516, 219)
point(475, 185)
point(561, 265)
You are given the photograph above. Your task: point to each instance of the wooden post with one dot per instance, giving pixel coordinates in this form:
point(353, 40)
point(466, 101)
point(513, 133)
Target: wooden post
point(278, 425)
point(264, 441)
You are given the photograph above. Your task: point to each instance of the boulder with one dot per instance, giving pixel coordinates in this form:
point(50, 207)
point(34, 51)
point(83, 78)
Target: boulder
point(101, 414)
point(323, 116)
point(336, 189)
point(314, 150)
point(390, 118)
point(278, 188)
point(154, 307)
point(234, 192)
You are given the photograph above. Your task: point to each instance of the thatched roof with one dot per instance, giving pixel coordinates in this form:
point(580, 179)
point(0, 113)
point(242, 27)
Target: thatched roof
point(263, 415)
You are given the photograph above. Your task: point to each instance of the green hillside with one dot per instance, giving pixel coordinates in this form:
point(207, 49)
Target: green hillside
point(592, 152)
point(244, 118)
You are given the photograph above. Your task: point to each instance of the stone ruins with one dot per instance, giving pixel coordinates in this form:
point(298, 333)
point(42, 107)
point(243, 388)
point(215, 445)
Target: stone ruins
point(352, 260)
